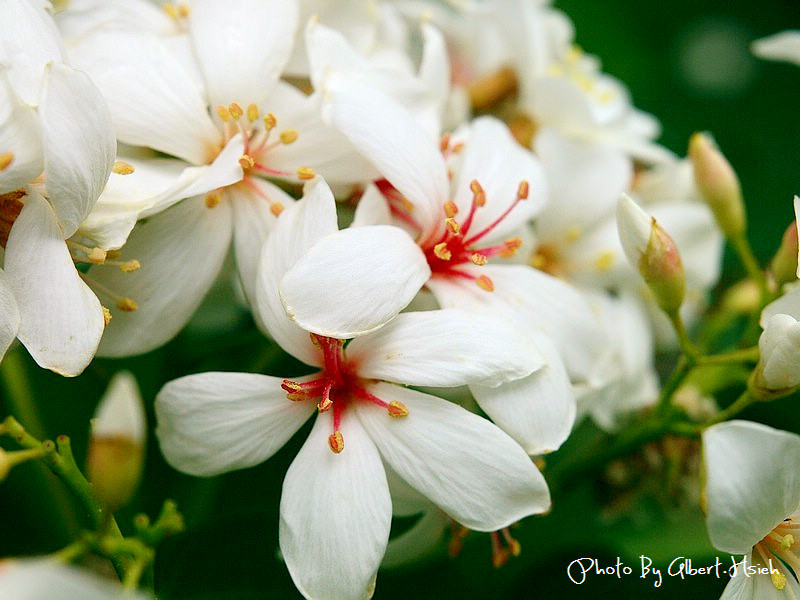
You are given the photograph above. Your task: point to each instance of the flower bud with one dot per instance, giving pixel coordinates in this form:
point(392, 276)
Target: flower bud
point(776, 373)
point(116, 444)
point(650, 249)
point(784, 265)
point(718, 184)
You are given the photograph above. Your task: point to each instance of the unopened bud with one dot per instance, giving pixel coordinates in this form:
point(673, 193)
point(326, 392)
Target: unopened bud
point(653, 252)
point(116, 445)
point(784, 264)
point(776, 373)
point(718, 183)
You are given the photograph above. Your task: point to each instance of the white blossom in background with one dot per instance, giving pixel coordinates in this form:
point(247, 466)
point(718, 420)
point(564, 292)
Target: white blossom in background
point(214, 422)
point(56, 153)
point(783, 46)
point(34, 579)
point(753, 505)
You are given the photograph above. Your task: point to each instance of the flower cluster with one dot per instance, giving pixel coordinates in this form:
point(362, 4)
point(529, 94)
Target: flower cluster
point(449, 214)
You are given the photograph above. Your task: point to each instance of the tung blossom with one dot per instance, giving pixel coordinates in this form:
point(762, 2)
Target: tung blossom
point(753, 505)
point(366, 423)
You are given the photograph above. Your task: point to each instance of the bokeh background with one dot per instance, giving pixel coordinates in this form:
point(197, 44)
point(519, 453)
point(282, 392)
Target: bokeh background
point(685, 61)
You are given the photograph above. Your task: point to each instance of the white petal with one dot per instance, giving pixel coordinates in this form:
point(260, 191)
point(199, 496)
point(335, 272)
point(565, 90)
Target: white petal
point(120, 412)
point(635, 227)
point(154, 99)
point(61, 320)
point(495, 160)
point(79, 144)
point(419, 542)
point(387, 135)
point(372, 209)
point(779, 346)
point(462, 462)
point(788, 304)
point(780, 46)
point(445, 348)
point(29, 40)
point(538, 411)
point(212, 423)
point(335, 514)
point(20, 135)
point(252, 222)
point(181, 252)
point(354, 281)
point(752, 483)
point(9, 315)
point(33, 579)
point(242, 46)
point(434, 68)
point(535, 300)
point(299, 227)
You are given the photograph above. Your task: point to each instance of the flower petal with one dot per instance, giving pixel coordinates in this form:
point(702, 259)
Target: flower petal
point(20, 135)
point(211, 423)
point(387, 134)
point(9, 315)
point(779, 46)
point(61, 320)
point(154, 99)
point(538, 411)
point(354, 281)
point(419, 542)
point(242, 46)
point(335, 514)
point(78, 141)
point(181, 252)
point(372, 209)
point(747, 586)
point(752, 482)
point(445, 348)
point(299, 227)
point(462, 462)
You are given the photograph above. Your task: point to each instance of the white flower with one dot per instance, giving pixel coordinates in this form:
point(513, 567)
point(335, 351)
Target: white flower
point(57, 151)
point(779, 347)
point(336, 507)
point(753, 505)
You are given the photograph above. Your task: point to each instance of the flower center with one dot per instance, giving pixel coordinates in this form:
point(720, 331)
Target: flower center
point(779, 551)
point(335, 387)
point(257, 134)
point(458, 245)
point(582, 71)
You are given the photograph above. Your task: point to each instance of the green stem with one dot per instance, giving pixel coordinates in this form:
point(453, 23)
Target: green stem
point(18, 397)
point(750, 354)
point(742, 402)
point(685, 365)
point(745, 252)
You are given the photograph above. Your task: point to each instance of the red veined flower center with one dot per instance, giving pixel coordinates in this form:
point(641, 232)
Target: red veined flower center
point(335, 387)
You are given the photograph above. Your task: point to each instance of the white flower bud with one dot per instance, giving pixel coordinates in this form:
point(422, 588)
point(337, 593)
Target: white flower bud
point(780, 353)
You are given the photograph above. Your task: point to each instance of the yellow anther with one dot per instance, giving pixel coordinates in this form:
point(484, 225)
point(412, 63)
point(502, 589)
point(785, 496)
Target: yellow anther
point(441, 251)
point(112, 254)
point(305, 173)
point(787, 541)
point(122, 168)
point(458, 147)
point(397, 409)
point(778, 580)
point(106, 316)
point(296, 397)
point(127, 304)
point(246, 161)
point(450, 209)
point(315, 340)
point(252, 112)
point(574, 232)
point(555, 70)
point(485, 283)
point(523, 190)
point(408, 205)
point(515, 547)
point(324, 404)
point(538, 261)
point(288, 136)
point(130, 266)
point(477, 192)
point(5, 160)
point(500, 558)
point(235, 110)
point(170, 9)
point(183, 10)
point(604, 261)
point(478, 259)
point(292, 385)
point(270, 121)
point(276, 208)
point(336, 442)
point(444, 143)
point(574, 54)
point(453, 226)
point(96, 256)
point(511, 246)
point(224, 113)
point(213, 198)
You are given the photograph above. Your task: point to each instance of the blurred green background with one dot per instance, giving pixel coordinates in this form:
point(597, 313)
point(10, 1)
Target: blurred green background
point(688, 63)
